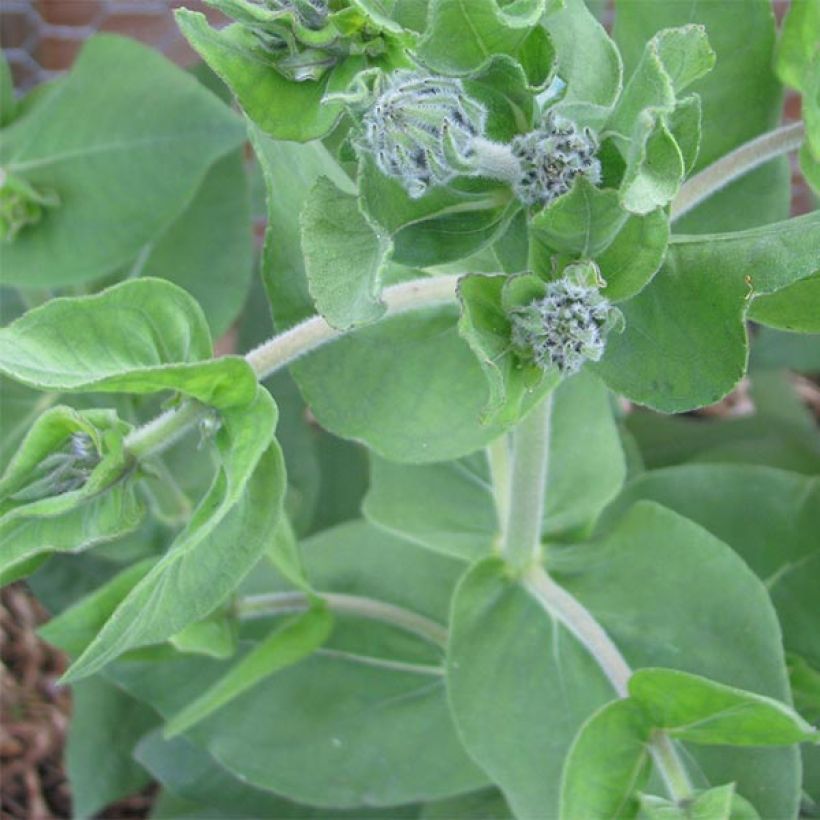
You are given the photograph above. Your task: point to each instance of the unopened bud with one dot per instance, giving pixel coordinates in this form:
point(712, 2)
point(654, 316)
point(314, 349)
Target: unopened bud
point(568, 325)
point(420, 130)
point(551, 157)
point(21, 204)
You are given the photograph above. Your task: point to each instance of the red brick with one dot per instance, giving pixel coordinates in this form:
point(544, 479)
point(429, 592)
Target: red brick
point(70, 12)
point(57, 53)
point(149, 28)
point(16, 28)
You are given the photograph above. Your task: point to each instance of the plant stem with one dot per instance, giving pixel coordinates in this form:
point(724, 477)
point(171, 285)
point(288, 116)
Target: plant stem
point(498, 457)
point(521, 543)
point(261, 606)
point(496, 161)
point(734, 165)
point(579, 621)
point(282, 350)
point(564, 607)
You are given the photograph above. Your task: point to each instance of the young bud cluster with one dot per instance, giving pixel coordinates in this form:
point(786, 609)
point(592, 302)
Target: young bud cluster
point(551, 157)
point(566, 327)
point(421, 129)
point(64, 471)
point(21, 205)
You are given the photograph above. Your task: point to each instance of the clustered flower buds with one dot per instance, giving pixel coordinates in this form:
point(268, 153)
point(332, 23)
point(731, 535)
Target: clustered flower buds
point(304, 39)
point(568, 325)
point(64, 471)
point(420, 130)
point(551, 157)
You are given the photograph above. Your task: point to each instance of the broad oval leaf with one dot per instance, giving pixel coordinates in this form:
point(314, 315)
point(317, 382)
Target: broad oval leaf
point(124, 161)
point(140, 336)
point(369, 702)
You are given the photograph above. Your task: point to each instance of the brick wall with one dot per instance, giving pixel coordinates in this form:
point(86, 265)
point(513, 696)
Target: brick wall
point(42, 37)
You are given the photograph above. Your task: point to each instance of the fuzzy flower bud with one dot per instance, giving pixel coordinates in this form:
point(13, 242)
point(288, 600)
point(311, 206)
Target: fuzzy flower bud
point(64, 471)
point(568, 325)
point(420, 130)
point(551, 157)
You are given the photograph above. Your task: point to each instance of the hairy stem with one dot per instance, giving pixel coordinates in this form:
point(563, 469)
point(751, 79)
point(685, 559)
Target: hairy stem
point(262, 606)
point(734, 165)
point(581, 623)
point(311, 334)
point(496, 161)
point(521, 543)
point(498, 457)
point(280, 351)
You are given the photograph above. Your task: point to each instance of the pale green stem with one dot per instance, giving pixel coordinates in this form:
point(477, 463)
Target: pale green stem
point(581, 623)
point(498, 457)
point(521, 543)
point(261, 606)
point(284, 349)
point(496, 161)
point(734, 165)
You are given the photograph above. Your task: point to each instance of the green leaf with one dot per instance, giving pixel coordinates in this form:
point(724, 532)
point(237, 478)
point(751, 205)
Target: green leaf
point(285, 109)
point(409, 387)
point(294, 641)
point(217, 636)
point(767, 515)
point(443, 226)
point(741, 99)
point(798, 43)
point(608, 762)
point(192, 773)
point(463, 35)
point(694, 708)
point(519, 686)
point(795, 308)
point(655, 165)
point(76, 627)
point(227, 534)
point(588, 222)
point(635, 255)
point(345, 257)
point(372, 700)
point(805, 681)
point(785, 440)
point(140, 336)
point(449, 507)
point(290, 171)
point(589, 64)
point(685, 342)
point(583, 222)
point(124, 161)
point(671, 595)
point(720, 803)
point(504, 89)
point(672, 60)
point(105, 726)
point(484, 324)
point(8, 104)
point(483, 805)
point(208, 251)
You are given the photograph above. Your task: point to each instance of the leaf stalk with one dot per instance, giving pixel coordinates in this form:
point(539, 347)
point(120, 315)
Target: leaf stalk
point(734, 165)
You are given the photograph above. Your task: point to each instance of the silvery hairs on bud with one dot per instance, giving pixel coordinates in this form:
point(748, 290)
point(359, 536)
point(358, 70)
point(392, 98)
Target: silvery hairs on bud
point(566, 327)
point(310, 13)
point(420, 129)
point(551, 157)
